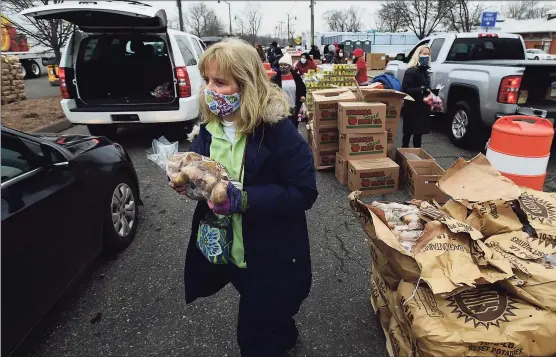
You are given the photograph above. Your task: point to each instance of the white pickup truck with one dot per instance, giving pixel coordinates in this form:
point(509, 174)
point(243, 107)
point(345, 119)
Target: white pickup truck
point(484, 76)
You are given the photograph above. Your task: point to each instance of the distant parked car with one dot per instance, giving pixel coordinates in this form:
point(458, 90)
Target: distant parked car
point(124, 66)
point(65, 199)
point(538, 54)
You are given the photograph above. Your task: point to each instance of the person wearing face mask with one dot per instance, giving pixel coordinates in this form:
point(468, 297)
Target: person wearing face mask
point(416, 83)
point(304, 64)
point(340, 58)
point(244, 129)
point(359, 60)
point(292, 84)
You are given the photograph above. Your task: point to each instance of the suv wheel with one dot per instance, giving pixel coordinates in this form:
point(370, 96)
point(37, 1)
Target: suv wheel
point(537, 58)
point(465, 125)
point(108, 130)
point(121, 214)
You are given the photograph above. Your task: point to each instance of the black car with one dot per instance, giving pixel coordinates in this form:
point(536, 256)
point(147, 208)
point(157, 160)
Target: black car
point(65, 199)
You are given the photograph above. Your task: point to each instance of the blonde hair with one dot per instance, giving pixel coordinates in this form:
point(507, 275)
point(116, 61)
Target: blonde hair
point(239, 59)
point(415, 58)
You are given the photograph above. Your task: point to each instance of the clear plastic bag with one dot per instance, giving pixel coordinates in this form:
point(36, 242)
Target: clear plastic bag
point(161, 150)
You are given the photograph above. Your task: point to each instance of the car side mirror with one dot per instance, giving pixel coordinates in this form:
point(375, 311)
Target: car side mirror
point(400, 57)
point(50, 157)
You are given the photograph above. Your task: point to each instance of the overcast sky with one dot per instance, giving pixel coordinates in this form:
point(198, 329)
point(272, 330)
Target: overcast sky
point(276, 11)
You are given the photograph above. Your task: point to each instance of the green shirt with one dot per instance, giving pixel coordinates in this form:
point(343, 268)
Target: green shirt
point(231, 156)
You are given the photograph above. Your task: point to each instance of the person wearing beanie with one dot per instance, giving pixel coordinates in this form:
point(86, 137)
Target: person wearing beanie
point(329, 56)
point(291, 83)
point(359, 60)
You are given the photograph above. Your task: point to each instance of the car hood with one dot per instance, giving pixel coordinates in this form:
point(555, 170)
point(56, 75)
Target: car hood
point(75, 143)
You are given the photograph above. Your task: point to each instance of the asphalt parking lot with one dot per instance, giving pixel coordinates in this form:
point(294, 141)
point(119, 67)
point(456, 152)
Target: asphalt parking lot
point(133, 304)
point(40, 87)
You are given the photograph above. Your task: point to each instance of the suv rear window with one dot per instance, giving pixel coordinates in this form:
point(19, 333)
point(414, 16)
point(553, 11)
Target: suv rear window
point(472, 49)
point(94, 48)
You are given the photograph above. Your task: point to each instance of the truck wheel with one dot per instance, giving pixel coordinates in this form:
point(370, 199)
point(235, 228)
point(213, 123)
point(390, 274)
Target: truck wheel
point(107, 130)
point(35, 69)
point(465, 125)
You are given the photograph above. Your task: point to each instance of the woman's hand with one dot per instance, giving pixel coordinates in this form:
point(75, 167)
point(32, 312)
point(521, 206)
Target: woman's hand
point(178, 188)
point(235, 203)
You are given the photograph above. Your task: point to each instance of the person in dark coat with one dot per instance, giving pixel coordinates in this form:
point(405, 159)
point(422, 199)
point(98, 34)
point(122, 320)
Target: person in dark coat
point(416, 83)
point(271, 267)
point(329, 56)
point(315, 52)
point(292, 84)
point(271, 52)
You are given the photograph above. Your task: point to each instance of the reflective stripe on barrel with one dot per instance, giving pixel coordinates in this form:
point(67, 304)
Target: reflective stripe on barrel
point(519, 147)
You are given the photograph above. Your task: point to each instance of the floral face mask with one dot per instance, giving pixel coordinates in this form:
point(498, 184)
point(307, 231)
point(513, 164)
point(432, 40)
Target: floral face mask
point(222, 104)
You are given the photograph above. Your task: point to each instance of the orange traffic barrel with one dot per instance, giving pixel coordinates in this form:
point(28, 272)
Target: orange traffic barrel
point(519, 148)
point(266, 66)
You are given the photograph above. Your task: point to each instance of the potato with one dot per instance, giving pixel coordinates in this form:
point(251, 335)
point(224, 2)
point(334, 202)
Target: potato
point(193, 173)
point(219, 193)
point(178, 178)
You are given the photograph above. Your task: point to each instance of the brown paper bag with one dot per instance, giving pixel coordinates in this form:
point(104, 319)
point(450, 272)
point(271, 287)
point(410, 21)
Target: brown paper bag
point(540, 208)
point(455, 209)
point(493, 217)
point(454, 225)
point(401, 262)
point(477, 181)
point(486, 321)
point(446, 263)
point(535, 277)
point(382, 299)
point(397, 343)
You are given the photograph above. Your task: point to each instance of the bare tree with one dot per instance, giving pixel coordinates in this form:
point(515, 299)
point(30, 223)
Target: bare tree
point(52, 34)
point(348, 20)
point(462, 16)
point(389, 19)
point(421, 16)
point(526, 9)
point(252, 17)
point(202, 21)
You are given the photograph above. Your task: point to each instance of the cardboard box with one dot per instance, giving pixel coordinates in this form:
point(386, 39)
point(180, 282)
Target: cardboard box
point(391, 98)
point(361, 117)
point(341, 169)
point(402, 160)
point(391, 153)
point(324, 158)
point(378, 61)
point(391, 129)
point(363, 146)
point(326, 137)
point(373, 176)
point(422, 177)
point(325, 105)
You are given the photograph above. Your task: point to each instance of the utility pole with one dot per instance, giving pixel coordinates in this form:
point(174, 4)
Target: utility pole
point(180, 14)
point(229, 14)
point(288, 34)
point(312, 23)
point(281, 23)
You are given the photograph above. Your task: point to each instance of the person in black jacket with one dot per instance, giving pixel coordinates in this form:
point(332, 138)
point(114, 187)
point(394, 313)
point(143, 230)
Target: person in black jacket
point(292, 84)
point(315, 52)
point(416, 83)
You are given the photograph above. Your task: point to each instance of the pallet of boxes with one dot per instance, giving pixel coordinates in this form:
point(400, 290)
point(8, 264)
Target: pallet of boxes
point(475, 276)
point(13, 87)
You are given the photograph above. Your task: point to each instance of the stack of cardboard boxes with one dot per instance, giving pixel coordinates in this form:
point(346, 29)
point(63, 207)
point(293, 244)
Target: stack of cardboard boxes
point(362, 162)
point(323, 129)
point(376, 61)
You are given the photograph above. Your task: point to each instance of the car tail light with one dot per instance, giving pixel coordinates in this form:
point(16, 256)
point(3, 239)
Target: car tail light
point(488, 35)
point(63, 85)
point(184, 86)
point(509, 90)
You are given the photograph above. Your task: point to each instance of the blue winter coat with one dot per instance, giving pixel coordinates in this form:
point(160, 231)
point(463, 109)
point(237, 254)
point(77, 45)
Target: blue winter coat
point(280, 181)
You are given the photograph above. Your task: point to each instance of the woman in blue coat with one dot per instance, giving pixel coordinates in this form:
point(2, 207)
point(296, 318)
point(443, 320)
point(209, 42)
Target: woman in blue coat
point(269, 261)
